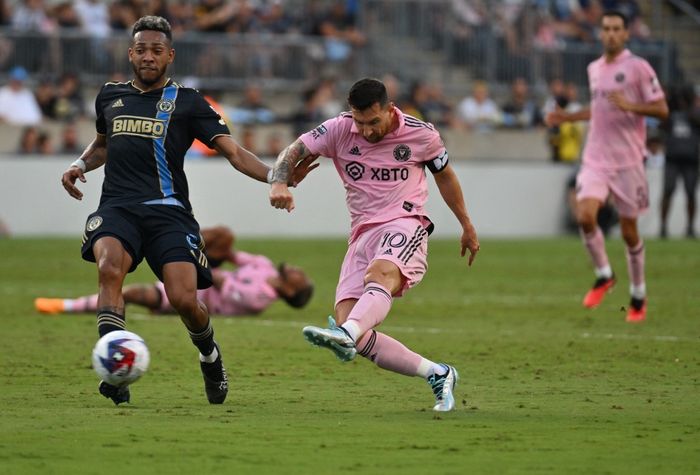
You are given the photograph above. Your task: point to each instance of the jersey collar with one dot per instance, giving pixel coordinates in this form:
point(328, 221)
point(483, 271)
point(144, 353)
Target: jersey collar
point(141, 91)
point(624, 54)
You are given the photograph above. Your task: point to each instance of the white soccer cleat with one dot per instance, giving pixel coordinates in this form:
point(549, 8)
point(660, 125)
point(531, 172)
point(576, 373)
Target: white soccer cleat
point(334, 338)
point(443, 387)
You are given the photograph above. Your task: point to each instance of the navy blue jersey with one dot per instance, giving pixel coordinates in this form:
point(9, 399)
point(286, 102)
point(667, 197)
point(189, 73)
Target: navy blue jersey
point(148, 134)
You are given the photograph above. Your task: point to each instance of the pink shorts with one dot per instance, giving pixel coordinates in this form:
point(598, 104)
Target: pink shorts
point(628, 187)
point(403, 241)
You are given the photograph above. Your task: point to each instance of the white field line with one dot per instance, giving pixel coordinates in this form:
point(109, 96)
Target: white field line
point(430, 330)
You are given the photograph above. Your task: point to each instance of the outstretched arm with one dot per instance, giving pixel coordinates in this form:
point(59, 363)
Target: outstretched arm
point(560, 116)
point(241, 159)
point(94, 156)
point(282, 173)
point(451, 192)
point(248, 163)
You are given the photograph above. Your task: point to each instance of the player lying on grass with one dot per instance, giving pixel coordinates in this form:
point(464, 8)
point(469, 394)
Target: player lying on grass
point(250, 289)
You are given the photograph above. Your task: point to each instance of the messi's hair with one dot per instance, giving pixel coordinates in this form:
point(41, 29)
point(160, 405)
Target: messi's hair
point(152, 23)
point(301, 297)
point(616, 13)
point(366, 92)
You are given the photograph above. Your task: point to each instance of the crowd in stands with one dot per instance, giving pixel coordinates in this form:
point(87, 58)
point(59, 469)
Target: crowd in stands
point(29, 100)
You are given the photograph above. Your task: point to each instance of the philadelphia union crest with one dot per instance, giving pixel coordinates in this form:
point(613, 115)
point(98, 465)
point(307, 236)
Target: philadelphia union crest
point(402, 152)
point(93, 223)
point(166, 105)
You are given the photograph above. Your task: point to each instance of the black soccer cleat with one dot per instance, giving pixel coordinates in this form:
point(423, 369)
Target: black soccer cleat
point(117, 394)
point(215, 379)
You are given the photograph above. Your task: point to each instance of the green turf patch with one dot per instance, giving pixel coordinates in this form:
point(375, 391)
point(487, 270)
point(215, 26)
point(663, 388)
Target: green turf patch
point(547, 387)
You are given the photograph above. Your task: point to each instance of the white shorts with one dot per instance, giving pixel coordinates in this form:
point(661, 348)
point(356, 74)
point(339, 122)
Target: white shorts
point(403, 241)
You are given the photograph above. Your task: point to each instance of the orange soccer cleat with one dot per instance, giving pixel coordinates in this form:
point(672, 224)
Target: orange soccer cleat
point(637, 312)
point(601, 286)
point(52, 306)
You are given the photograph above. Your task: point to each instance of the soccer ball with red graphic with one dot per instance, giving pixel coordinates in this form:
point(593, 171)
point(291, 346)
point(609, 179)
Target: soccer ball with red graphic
point(120, 358)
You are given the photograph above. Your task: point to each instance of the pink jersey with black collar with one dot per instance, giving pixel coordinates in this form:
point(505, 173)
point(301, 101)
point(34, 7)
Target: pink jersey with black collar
point(384, 180)
point(617, 139)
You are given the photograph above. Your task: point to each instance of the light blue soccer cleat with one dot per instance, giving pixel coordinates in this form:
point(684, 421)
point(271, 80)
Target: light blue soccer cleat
point(443, 387)
point(334, 338)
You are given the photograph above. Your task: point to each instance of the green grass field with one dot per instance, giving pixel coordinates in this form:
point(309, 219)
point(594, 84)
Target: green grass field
point(546, 387)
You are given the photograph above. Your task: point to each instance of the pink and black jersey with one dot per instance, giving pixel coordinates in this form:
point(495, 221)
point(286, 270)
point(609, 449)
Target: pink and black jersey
point(616, 138)
point(384, 180)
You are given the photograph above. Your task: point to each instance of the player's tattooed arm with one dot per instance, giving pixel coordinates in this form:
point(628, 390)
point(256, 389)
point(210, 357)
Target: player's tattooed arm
point(287, 160)
point(291, 167)
point(94, 156)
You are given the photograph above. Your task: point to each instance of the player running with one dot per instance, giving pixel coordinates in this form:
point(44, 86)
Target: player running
point(624, 89)
point(144, 127)
point(381, 155)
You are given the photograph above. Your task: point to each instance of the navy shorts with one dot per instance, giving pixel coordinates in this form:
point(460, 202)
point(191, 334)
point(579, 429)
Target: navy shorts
point(160, 233)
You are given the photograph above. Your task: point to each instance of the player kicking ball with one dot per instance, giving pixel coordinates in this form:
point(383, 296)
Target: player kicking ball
point(381, 155)
point(624, 89)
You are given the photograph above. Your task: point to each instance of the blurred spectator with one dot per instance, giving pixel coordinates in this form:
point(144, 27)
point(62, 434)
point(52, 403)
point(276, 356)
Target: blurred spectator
point(69, 103)
point(252, 109)
point(182, 15)
point(566, 139)
point(521, 110)
point(214, 15)
point(275, 144)
point(123, 14)
point(249, 139)
point(70, 143)
point(682, 143)
point(479, 111)
point(6, 46)
point(244, 19)
point(65, 15)
point(469, 27)
point(437, 109)
point(44, 143)
point(275, 19)
point(17, 103)
point(28, 141)
point(30, 16)
point(555, 89)
point(414, 102)
point(393, 87)
point(340, 33)
point(45, 94)
point(94, 17)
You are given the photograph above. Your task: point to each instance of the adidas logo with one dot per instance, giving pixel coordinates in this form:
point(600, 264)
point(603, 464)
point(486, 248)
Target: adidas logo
point(388, 252)
point(355, 151)
point(118, 103)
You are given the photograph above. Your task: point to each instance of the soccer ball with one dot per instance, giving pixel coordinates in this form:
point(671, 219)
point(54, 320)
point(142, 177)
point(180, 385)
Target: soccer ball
point(120, 358)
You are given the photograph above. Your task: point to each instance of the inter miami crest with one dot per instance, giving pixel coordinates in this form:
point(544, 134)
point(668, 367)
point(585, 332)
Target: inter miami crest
point(620, 77)
point(402, 152)
point(166, 105)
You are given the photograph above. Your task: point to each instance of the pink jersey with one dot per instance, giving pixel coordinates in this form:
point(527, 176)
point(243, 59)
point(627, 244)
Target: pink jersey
point(245, 291)
point(616, 139)
point(384, 180)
